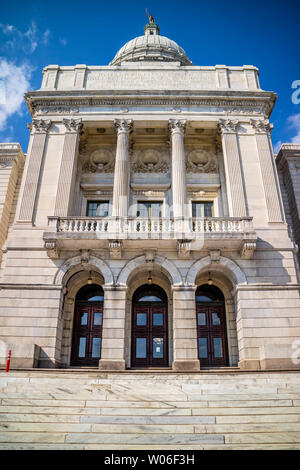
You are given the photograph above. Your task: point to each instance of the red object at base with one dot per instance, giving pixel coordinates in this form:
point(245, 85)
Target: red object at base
point(8, 361)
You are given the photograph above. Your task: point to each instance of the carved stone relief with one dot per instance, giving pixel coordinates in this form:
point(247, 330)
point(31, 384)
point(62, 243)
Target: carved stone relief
point(100, 160)
point(149, 161)
point(201, 160)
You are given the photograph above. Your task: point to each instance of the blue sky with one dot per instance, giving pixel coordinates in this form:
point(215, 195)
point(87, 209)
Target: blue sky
point(263, 33)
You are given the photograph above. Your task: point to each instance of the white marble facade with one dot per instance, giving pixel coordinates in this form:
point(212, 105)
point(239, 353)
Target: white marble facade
point(149, 127)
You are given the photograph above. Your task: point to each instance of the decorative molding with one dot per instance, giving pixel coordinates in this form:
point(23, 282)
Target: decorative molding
point(73, 125)
point(40, 125)
point(177, 125)
point(52, 249)
point(225, 265)
point(167, 266)
point(261, 126)
point(71, 264)
point(123, 125)
point(43, 103)
point(227, 126)
point(248, 249)
point(85, 256)
point(215, 256)
point(149, 161)
point(184, 248)
point(100, 160)
point(201, 161)
point(115, 249)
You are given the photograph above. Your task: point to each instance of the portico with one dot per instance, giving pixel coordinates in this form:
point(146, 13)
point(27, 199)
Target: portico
point(152, 180)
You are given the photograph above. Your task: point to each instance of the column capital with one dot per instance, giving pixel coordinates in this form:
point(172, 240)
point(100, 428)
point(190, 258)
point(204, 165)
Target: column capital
point(40, 126)
point(177, 126)
point(226, 126)
point(73, 125)
point(261, 126)
point(123, 125)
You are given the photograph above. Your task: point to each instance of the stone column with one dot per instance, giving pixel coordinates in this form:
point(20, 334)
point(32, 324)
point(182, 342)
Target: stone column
point(39, 128)
point(113, 332)
point(268, 171)
point(67, 174)
point(233, 171)
point(185, 329)
point(121, 175)
point(177, 128)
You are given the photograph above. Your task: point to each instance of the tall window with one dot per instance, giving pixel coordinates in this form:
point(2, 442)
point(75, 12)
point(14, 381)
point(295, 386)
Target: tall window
point(97, 208)
point(149, 209)
point(202, 209)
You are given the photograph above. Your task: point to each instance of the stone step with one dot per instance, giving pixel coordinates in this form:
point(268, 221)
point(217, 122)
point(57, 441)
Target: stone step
point(93, 410)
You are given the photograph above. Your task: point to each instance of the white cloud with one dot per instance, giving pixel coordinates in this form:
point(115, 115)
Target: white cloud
point(28, 41)
point(294, 124)
point(15, 81)
point(277, 146)
point(63, 41)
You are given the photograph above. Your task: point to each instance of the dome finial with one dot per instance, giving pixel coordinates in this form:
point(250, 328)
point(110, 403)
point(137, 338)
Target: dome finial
point(151, 19)
point(151, 27)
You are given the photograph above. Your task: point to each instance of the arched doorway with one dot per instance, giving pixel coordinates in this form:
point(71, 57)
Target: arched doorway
point(211, 326)
point(87, 329)
point(149, 327)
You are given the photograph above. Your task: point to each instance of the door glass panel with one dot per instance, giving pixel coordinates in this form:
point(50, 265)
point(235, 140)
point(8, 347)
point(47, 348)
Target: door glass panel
point(158, 319)
point(216, 319)
point(218, 351)
point(201, 318)
point(141, 319)
point(202, 209)
point(96, 348)
point(149, 209)
point(141, 348)
point(202, 344)
point(158, 348)
point(82, 345)
point(83, 318)
point(97, 208)
point(98, 318)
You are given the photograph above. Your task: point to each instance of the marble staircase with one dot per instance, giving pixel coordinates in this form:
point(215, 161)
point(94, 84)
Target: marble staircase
point(88, 409)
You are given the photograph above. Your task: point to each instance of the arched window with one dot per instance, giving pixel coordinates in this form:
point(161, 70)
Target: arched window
point(209, 294)
point(90, 293)
point(149, 293)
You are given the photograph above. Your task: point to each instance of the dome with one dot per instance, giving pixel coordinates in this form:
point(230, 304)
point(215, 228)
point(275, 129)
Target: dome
point(151, 47)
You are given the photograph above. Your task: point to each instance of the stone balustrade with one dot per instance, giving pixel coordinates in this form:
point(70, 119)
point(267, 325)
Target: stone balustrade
point(162, 225)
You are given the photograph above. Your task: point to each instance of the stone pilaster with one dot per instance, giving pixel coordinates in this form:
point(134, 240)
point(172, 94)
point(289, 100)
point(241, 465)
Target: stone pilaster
point(121, 174)
point(233, 171)
point(177, 128)
point(67, 174)
point(113, 332)
point(39, 127)
point(268, 171)
point(185, 329)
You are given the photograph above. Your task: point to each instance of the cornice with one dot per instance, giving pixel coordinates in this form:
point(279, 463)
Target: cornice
point(69, 102)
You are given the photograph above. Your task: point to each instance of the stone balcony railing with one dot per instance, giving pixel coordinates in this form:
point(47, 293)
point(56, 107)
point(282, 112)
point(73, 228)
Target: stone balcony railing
point(72, 232)
point(139, 226)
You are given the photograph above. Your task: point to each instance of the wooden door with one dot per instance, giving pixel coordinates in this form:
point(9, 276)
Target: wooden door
point(149, 336)
point(87, 335)
point(212, 339)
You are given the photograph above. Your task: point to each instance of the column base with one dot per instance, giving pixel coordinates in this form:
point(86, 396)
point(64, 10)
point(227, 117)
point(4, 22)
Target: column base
point(186, 366)
point(106, 364)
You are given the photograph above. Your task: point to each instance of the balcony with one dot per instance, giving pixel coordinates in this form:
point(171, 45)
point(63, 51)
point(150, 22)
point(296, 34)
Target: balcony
point(185, 233)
